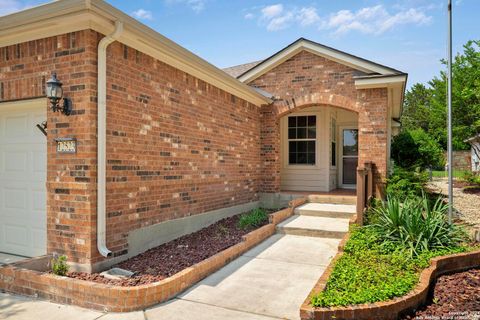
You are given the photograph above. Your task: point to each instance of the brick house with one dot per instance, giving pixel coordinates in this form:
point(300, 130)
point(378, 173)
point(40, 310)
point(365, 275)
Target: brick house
point(160, 142)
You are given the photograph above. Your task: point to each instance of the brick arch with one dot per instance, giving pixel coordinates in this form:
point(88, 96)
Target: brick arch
point(288, 106)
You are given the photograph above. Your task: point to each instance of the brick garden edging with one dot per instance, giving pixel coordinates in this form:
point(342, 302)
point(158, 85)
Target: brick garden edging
point(391, 309)
point(29, 277)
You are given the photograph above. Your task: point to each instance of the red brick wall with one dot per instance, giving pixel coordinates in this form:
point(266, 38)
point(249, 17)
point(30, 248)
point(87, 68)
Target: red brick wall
point(176, 146)
point(307, 80)
point(70, 178)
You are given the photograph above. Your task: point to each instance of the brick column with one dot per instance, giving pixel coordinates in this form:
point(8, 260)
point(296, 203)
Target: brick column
point(71, 178)
point(372, 133)
point(270, 150)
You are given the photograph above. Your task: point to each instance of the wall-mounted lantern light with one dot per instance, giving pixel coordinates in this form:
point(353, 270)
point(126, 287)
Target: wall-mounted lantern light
point(53, 88)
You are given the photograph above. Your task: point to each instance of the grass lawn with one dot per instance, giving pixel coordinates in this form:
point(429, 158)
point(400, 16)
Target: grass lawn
point(456, 173)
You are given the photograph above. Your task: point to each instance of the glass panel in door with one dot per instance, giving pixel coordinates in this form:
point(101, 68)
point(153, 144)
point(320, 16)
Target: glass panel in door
point(350, 156)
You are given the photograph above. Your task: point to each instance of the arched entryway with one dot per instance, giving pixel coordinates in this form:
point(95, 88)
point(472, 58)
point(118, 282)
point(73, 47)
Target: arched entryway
point(318, 149)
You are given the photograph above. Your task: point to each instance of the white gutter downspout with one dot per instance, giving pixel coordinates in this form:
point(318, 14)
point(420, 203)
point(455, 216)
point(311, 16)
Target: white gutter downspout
point(102, 139)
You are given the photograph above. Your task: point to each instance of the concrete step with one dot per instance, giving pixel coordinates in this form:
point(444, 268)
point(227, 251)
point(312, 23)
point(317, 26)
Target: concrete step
point(327, 210)
point(332, 199)
point(312, 226)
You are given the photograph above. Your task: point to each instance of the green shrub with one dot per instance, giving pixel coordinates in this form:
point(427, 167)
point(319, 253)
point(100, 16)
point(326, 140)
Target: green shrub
point(59, 265)
point(368, 271)
point(253, 219)
point(405, 183)
point(415, 148)
point(416, 225)
point(471, 177)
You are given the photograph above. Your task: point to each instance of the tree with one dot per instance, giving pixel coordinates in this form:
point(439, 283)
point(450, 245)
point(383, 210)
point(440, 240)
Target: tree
point(425, 107)
point(416, 148)
point(416, 109)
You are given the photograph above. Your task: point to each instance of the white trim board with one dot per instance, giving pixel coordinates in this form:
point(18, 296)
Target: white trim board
point(318, 49)
point(61, 17)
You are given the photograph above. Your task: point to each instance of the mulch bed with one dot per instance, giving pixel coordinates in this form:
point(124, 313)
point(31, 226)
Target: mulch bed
point(472, 190)
point(460, 183)
point(167, 259)
point(455, 296)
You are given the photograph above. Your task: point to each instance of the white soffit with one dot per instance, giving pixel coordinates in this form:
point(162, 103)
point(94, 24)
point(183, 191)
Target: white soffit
point(380, 81)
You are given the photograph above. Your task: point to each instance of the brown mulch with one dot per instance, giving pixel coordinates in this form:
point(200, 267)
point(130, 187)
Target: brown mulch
point(460, 183)
point(455, 296)
point(174, 256)
point(472, 190)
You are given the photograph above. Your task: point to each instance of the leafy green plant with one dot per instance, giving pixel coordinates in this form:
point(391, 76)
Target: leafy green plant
point(368, 271)
point(371, 216)
point(59, 265)
point(253, 219)
point(415, 148)
point(405, 183)
point(416, 225)
point(471, 177)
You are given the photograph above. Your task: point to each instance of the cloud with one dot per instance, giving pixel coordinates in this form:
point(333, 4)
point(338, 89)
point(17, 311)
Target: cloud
point(142, 14)
point(373, 20)
point(195, 5)
point(308, 16)
point(276, 17)
point(249, 16)
point(272, 11)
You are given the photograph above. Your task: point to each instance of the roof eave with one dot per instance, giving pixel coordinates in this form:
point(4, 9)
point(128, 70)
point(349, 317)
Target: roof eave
point(301, 44)
point(66, 16)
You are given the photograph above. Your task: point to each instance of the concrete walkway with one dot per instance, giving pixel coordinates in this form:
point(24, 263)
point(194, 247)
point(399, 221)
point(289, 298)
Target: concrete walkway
point(270, 281)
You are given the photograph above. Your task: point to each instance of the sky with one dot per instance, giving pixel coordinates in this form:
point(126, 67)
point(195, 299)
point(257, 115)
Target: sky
point(409, 35)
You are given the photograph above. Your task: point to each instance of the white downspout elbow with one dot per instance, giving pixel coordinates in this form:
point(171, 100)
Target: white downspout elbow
point(102, 138)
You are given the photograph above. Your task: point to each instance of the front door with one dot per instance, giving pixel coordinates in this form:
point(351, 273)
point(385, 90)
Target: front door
point(349, 157)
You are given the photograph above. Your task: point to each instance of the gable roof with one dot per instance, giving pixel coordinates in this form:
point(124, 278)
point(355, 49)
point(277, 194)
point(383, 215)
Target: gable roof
point(364, 65)
point(64, 16)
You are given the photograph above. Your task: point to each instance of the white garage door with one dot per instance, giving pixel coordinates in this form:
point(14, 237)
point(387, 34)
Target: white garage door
point(23, 164)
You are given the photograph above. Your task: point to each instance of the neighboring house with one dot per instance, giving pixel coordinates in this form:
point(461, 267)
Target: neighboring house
point(475, 152)
point(166, 143)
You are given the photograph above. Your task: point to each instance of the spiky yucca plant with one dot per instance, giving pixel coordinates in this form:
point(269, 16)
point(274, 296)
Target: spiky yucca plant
point(417, 225)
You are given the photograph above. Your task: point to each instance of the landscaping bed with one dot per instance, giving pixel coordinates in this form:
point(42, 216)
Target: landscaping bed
point(367, 272)
point(34, 277)
point(386, 266)
point(455, 296)
point(172, 257)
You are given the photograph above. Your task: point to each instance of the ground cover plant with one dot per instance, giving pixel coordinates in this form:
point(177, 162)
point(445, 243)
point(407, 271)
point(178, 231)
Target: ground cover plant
point(369, 272)
point(384, 259)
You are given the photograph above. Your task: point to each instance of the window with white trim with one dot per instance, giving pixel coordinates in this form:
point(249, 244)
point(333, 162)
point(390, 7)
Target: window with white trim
point(302, 133)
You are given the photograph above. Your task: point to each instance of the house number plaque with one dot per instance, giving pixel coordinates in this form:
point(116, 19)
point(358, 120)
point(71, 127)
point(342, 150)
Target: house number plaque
point(66, 145)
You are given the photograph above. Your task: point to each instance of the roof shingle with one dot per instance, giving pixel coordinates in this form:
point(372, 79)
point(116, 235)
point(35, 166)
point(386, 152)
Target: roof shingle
point(235, 71)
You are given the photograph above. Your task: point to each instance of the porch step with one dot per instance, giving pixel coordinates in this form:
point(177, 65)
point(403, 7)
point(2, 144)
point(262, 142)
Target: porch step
point(313, 226)
point(327, 210)
point(332, 199)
